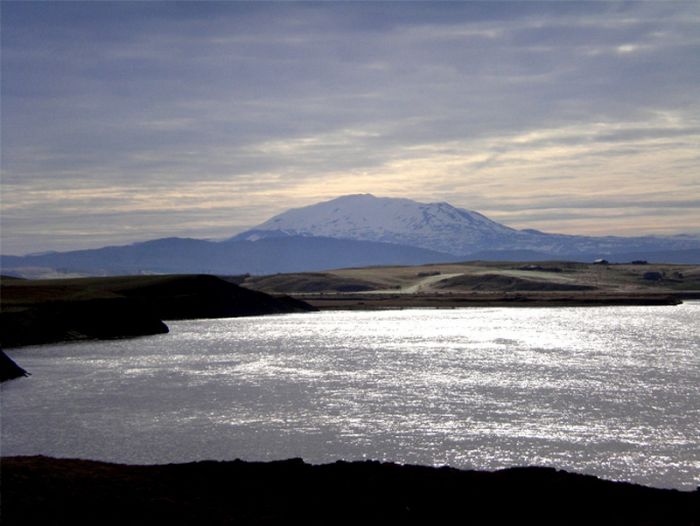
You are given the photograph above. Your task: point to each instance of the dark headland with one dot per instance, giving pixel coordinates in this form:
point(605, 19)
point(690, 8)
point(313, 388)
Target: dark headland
point(41, 490)
point(47, 311)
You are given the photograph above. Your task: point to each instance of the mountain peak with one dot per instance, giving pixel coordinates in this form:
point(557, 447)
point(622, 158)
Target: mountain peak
point(349, 197)
point(365, 217)
point(440, 227)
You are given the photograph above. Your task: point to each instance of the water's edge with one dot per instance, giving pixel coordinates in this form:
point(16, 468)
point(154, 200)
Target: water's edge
point(608, 392)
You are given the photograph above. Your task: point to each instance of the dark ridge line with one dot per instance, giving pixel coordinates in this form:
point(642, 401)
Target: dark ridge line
point(43, 490)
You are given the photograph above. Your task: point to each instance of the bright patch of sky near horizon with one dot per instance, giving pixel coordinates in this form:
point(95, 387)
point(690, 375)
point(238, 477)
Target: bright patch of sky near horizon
point(130, 121)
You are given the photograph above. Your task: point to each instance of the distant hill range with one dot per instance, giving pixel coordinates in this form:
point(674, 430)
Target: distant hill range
point(352, 231)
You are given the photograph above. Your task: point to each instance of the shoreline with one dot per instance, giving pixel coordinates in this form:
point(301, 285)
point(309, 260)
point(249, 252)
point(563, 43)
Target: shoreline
point(54, 311)
point(46, 490)
point(380, 301)
point(118, 318)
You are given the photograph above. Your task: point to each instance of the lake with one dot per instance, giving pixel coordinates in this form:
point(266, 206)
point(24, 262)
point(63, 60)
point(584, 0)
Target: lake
point(608, 391)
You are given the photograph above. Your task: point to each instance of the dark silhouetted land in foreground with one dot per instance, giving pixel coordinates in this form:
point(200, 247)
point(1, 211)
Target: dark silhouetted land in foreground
point(41, 490)
point(9, 370)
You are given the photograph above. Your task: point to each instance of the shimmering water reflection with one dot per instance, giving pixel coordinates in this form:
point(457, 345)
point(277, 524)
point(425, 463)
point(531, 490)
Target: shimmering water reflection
point(606, 391)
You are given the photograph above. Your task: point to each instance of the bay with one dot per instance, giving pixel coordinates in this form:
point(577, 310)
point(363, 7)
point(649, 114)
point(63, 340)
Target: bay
point(608, 391)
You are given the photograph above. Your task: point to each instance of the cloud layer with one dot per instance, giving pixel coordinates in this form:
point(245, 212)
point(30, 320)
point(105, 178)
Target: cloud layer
point(129, 121)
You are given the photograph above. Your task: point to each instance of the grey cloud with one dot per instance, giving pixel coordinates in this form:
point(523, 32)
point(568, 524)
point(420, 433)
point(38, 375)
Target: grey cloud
point(168, 93)
point(554, 202)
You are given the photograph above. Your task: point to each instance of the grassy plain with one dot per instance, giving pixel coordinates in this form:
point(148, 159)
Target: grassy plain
point(488, 283)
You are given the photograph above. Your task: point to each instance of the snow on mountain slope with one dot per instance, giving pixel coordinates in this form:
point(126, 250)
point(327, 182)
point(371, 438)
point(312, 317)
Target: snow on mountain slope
point(435, 226)
point(441, 227)
point(365, 213)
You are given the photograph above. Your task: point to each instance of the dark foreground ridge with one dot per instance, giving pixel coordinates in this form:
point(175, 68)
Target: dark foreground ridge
point(41, 490)
point(46, 311)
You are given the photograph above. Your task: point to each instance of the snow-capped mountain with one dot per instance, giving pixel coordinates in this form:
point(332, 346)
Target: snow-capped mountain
point(354, 230)
point(443, 228)
point(435, 226)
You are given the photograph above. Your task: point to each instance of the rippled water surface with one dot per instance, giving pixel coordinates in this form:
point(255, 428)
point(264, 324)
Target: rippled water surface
point(608, 391)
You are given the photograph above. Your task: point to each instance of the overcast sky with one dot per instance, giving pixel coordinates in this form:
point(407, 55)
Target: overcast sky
point(131, 121)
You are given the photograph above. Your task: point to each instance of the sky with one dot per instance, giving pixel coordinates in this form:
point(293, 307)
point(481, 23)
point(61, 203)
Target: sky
point(123, 122)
